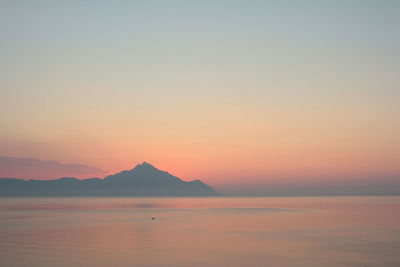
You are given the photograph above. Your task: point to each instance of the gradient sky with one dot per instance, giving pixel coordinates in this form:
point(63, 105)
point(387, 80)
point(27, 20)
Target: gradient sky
point(229, 92)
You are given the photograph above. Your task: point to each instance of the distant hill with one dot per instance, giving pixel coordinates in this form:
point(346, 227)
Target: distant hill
point(30, 168)
point(143, 180)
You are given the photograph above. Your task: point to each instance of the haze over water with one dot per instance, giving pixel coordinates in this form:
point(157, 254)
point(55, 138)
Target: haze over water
point(306, 231)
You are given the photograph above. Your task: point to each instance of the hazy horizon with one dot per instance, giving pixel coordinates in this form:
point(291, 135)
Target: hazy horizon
point(340, 186)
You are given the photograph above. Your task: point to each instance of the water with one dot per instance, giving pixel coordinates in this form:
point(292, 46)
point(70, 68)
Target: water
point(307, 231)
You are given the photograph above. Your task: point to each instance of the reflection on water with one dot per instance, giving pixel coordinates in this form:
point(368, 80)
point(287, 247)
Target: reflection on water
point(314, 231)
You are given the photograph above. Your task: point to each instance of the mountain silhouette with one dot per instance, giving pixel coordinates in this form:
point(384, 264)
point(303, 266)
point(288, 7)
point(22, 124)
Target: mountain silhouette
point(143, 180)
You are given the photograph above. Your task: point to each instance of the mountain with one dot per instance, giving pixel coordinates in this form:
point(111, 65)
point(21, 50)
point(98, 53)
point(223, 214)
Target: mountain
point(143, 180)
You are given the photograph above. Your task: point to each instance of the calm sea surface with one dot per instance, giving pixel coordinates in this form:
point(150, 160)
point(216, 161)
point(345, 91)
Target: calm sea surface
point(307, 231)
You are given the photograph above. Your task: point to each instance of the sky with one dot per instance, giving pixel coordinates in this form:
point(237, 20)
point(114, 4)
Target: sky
point(229, 92)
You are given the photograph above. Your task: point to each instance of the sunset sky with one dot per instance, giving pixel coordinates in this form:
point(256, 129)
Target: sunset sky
point(229, 92)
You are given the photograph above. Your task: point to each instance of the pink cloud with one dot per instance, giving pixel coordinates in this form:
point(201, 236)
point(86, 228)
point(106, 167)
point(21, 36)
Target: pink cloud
point(30, 168)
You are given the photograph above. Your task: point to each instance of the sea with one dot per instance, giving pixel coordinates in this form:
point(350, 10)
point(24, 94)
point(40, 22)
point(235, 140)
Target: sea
point(219, 231)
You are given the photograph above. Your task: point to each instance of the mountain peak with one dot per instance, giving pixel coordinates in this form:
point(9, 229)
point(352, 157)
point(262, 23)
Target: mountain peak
point(144, 165)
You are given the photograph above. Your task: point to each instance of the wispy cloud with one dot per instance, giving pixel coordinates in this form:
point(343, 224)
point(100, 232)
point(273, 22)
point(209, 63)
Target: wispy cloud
point(30, 168)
